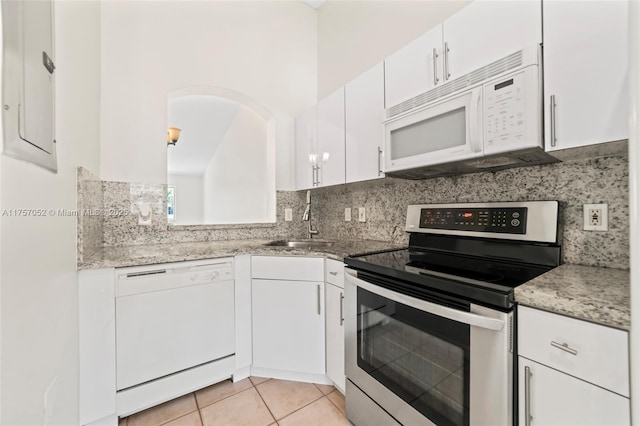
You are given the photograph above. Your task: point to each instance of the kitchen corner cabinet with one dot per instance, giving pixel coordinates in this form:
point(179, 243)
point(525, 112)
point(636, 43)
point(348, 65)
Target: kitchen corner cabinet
point(585, 73)
point(571, 372)
point(288, 311)
point(334, 296)
point(364, 113)
point(306, 137)
point(331, 140)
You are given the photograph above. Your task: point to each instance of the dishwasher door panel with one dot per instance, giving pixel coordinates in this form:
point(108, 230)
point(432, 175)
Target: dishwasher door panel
point(163, 332)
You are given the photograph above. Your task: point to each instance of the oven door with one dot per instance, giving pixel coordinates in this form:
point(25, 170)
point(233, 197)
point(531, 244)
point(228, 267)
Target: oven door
point(425, 363)
point(443, 132)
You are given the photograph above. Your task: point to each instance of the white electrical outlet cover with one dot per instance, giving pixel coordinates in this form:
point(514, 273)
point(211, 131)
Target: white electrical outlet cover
point(586, 217)
point(288, 215)
point(347, 214)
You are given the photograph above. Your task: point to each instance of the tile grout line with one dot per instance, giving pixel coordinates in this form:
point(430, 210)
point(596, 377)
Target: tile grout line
point(265, 402)
point(221, 399)
point(331, 401)
point(306, 405)
point(198, 405)
point(183, 415)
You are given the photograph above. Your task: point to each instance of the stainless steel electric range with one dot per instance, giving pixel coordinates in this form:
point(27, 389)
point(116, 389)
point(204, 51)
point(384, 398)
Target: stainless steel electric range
point(429, 329)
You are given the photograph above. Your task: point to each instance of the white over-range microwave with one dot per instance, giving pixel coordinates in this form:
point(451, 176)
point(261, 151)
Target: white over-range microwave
point(488, 119)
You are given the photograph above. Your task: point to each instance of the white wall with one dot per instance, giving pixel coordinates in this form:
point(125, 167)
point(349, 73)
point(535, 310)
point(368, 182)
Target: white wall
point(38, 279)
point(189, 208)
point(353, 36)
point(265, 50)
point(235, 188)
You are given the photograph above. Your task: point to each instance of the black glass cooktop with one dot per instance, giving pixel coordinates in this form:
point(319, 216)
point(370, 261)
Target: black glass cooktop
point(477, 271)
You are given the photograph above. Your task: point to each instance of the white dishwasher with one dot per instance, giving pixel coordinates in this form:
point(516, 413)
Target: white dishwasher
point(170, 319)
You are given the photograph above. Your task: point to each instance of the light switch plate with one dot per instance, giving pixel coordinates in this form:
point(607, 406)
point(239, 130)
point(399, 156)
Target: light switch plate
point(362, 216)
point(347, 214)
point(288, 215)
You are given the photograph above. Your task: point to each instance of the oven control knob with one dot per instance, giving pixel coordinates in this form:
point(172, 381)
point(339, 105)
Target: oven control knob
point(515, 222)
point(515, 215)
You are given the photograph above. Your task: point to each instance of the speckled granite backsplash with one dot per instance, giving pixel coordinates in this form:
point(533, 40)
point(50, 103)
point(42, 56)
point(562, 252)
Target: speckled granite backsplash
point(597, 174)
point(125, 231)
point(90, 206)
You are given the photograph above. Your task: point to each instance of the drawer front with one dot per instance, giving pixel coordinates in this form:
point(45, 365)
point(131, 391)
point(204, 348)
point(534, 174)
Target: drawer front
point(287, 268)
point(334, 272)
point(591, 352)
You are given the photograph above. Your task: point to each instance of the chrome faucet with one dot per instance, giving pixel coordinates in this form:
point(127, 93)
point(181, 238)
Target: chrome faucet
point(307, 217)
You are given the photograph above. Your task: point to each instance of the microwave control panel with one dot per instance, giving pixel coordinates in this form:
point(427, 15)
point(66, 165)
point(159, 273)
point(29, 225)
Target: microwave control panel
point(502, 220)
point(504, 111)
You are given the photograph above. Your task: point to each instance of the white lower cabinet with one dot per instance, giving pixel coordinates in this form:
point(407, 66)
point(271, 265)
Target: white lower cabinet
point(335, 335)
point(287, 294)
point(334, 321)
point(571, 372)
point(288, 325)
point(558, 399)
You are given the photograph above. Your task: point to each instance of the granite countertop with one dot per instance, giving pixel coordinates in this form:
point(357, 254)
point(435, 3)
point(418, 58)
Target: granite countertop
point(117, 257)
point(599, 295)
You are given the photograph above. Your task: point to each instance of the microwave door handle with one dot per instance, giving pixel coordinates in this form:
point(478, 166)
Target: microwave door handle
point(476, 139)
point(432, 308)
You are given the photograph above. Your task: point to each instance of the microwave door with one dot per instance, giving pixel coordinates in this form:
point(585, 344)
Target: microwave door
point(448, 131)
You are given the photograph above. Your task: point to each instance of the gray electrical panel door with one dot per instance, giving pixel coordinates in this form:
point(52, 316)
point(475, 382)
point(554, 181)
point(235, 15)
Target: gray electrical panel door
point(36, 115)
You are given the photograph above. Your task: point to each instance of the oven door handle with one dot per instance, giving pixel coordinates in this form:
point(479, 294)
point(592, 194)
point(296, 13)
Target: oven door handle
point(432, 308)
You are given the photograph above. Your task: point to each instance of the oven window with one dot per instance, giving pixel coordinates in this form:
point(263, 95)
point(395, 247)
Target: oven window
point(420, 357)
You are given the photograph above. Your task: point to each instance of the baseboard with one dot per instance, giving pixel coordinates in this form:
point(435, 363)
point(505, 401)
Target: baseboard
point(291, 375)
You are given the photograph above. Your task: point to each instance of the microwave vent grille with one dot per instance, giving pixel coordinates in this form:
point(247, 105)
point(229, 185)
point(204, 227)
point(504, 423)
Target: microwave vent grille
point(498, 67)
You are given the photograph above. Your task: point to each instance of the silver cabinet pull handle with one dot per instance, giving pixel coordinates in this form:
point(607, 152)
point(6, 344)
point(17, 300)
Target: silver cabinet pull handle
point(564, 347)
point(341, 308)
point(313, 175)
point(552, 116)
point(379, 161)
point(318, 175)
point(319, 301)
point(334, 273)
point(447, 74)
point(527, 396)
point(435, 67)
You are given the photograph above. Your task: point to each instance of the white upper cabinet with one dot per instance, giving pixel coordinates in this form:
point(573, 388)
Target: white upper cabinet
point(477, 35)
point(585, 72)
point(331, 139)
point(414, 69)
point(364, 112)
point(486, 31)
point(306, 138)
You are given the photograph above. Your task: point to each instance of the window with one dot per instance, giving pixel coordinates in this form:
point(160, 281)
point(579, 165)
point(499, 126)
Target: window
point(171, 204)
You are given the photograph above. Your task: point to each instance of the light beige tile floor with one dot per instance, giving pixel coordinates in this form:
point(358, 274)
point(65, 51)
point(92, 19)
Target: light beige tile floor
point(253, 402)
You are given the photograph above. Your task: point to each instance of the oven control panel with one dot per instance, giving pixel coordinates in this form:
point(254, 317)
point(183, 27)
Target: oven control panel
point(511, 220)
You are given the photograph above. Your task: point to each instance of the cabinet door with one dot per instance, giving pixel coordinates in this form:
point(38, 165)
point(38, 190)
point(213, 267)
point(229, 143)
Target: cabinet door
point(559, 399)
point(488, 30)
point(585, 72)
point(331, 139)
point(335, 335)
point(364, 112)
point(305, 146)
point(413, 69)
point(288, 325)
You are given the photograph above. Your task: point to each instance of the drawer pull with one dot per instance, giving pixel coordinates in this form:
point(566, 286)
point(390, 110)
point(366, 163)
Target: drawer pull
point(527, 396)
point(564, 347)
point(334, 273)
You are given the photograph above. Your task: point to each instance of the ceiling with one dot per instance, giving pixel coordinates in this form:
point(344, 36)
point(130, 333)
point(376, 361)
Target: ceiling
point(316, 4)
point(204, 121)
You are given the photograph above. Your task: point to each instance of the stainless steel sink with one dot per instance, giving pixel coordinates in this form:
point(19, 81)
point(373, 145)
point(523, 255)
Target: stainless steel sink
point(300, 244)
